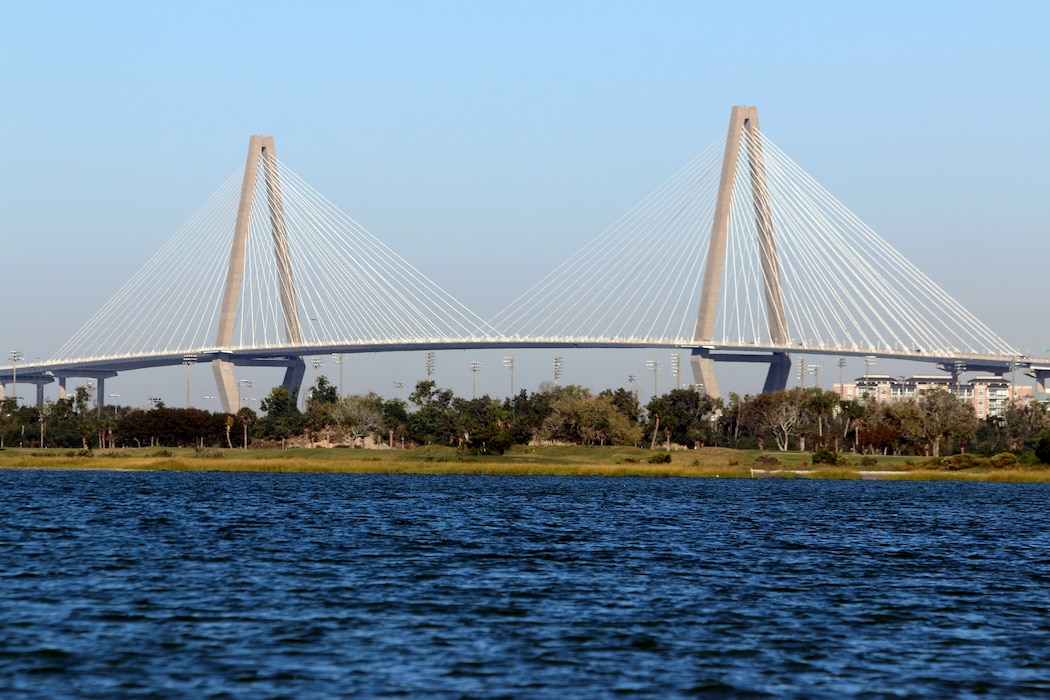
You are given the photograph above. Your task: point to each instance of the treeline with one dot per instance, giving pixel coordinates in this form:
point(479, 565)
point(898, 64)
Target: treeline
point(797, 419)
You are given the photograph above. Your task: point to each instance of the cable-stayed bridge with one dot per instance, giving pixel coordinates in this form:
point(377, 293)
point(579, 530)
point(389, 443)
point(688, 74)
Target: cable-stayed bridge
point(740, 256)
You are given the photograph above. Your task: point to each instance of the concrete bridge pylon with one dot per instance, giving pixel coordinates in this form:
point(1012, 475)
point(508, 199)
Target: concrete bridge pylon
point(742, 120)
point(260, 152)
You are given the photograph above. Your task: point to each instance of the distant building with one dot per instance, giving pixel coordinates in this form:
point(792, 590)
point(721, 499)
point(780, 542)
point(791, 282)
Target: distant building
point(989, 395)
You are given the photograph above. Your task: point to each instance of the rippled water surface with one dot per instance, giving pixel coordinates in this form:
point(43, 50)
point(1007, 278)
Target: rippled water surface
point(191, 585)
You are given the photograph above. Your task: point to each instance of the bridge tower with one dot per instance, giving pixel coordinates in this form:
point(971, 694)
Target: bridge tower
point(260, 151)
point(741, 120)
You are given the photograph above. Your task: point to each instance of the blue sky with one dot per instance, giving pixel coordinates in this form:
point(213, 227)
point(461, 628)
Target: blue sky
point(486, 141)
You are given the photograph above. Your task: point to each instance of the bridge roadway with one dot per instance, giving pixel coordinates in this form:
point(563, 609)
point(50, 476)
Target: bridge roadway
point(291, 357)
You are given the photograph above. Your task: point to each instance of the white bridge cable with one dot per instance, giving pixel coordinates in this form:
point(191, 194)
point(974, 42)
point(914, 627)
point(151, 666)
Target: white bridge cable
point(844, 287)
point(349, 287)
point(157, 297)
point(348, 265)
point(615, 287)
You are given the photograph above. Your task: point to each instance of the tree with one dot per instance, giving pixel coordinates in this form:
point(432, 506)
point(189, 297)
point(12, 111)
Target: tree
point(246, 417)
point(283, 418)
point(358, 416)
point(434, 422)
point(686, 416)
point(580, 418)
point(776, 414)
point(945, 417)
point(323, 393)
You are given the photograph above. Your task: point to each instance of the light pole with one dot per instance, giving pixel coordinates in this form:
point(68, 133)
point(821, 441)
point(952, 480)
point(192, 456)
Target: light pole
point(339, 358)
point(247, 383)
point(842, 389)
point(430, 365)
point(654, 366)
point(634, 389)
point(869, 360)
point(802, 371)
point(558, 362)
point(189, 361)
point(676, 369)
point(316, 361)
point(154, 401)
point(16, 356)
point(815, 370)
point(475, 367)
point(510, 363)
point(398, 384)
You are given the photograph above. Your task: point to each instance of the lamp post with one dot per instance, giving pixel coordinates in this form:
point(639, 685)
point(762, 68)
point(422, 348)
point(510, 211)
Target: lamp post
point(398, 384)
point(634, 389)
point(189, 361)
point(842, 389)
point(558, 362)
point(16, 356)
point(475, 367)
point(316, 362)
point(802, 372)
point(654, 367)
point(430, 365)
point(869, 360)
point(247, 383)
point(339, 358)
point(676, 369)
point(815, 371)
point(510, 363)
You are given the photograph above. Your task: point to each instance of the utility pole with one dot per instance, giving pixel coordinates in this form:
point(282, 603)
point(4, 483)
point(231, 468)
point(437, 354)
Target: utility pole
point(475, 367)
point(189, 361)
point(15, 356)
point(510, 363)
point(339, 358)
point(654, 365)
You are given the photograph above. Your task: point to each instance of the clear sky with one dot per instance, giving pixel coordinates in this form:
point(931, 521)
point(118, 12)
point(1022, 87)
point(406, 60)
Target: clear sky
point(486, 141)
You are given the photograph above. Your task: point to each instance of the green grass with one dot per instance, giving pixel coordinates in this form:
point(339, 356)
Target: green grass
point(521, 460)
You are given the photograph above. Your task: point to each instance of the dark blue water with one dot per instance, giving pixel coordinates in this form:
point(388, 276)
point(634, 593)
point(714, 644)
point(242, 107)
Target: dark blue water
point(184, 585)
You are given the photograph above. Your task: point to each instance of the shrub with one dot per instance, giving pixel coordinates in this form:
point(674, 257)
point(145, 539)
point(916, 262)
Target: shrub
point(766, 461)
point(868, 461)
point(825, 456)
point(661, 458)
point(1003, 460)
point(957, 462)
point(1042, 448)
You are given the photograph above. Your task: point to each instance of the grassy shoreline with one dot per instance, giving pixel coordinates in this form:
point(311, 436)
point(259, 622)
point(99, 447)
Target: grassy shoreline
point(709, 462)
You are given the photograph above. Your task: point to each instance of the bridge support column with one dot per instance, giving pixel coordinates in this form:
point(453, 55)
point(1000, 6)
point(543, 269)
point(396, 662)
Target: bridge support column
point(293, 377)
point(779, 372)
point(743, 129)
point(261, 152)
point(1040, 374)
point(704, 374)
point(61, 388)
point(226, 383)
